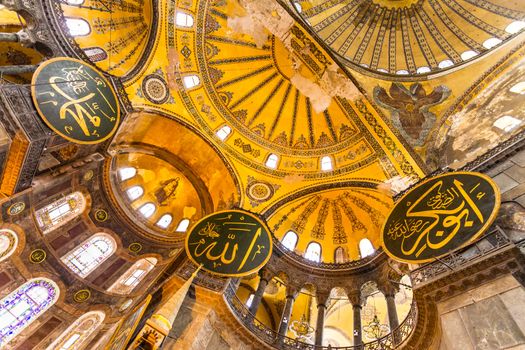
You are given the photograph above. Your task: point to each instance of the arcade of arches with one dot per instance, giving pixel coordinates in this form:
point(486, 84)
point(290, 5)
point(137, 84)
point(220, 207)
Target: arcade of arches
point(313, 115)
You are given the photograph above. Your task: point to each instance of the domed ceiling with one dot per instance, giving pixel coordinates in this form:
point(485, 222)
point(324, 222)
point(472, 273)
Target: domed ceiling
point(411, 37)
point(334, 218)
point(127, 25)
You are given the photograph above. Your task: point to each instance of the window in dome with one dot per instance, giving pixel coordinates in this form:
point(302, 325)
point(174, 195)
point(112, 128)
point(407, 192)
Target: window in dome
point(224, 132)
point(164, 221)
point(339, 255)
point(382, 70)
point(249, 301)
point(134, 192)
point(147, 210)
point(507, 123)
point(60, 211)
point(190, 81)
point(313, 252)
point(519, 88)
point(96, 54)
point(366, 248)
point(127, 173)
point(78, 26)
point(326, 164)
point(8, 243)
point(75, 2)
point(133, 276)
point(290, 240)
point(272, 161)
point(468, 55)
point(402, 72)
point(24, 305)
point(183, 19)
point(423, 70)
point(445, 64)
point(298, 7)
point(80, 332)
point(183, 225)
point(90, 254)
point(515, 27)
point(490, 43)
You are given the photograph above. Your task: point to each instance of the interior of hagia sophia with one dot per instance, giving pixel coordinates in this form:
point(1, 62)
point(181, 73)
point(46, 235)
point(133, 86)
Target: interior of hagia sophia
point(316, 116)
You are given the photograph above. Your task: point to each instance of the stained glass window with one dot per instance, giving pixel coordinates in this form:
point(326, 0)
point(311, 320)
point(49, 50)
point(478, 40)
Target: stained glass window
point(132, 277)
point(366, 248)
point(23, 306)
point(80, 332)
point(313, 252)
point(290, 240)
point(90, 254)
point(8, 243)
point(60, 211)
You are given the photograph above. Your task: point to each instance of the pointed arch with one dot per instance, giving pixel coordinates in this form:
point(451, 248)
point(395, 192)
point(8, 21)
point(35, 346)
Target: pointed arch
point(24, 305)
point(80, 332)
point(86, 257)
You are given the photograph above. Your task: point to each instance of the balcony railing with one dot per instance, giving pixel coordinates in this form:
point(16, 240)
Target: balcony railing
point(492, 241)
point(273, 339)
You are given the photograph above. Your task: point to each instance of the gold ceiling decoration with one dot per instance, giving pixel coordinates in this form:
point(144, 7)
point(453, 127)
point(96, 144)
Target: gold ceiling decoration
point(334, 218)
point(411, 38)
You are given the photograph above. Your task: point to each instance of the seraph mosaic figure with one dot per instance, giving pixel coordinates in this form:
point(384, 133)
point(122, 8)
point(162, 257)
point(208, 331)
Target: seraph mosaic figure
point(410, 108)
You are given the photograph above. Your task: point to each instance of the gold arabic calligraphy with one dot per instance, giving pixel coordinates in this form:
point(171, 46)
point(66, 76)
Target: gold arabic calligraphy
point(436, 218)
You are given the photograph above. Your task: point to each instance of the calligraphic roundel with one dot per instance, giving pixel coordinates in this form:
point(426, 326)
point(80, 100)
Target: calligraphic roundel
point(75, 100)
point(440, 215)
point(230, 243)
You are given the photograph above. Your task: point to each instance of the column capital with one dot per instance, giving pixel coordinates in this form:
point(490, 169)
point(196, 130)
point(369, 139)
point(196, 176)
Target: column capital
point(388, 289)
point(355, 298)
point(265, 274)
point(291, 292)
point(322, 298)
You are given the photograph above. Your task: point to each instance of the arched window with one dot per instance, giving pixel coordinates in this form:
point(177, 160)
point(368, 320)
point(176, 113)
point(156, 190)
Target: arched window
point(147, 210)
point(507, 123)
point(126, 173)
point(96, 54)
point(515, 27)
point(24, 305)
point(272, 161)
point(164, 221)
point(183, 19)
point(290, 240)
point(190, 81)
point(249, 301)
point(402, 72)
point(423, 70)
point(313, 252)
point(132, 277)
point(60, 211)
point(339, 255)
point(78, 26)
point(8, 243)
point(366, 248)
point(490, 43)
point(518, 88)
point(326, 163)
point(224, 132)
point(298, 7)
point(134, 192)
point(468, 54)
point(183, 225)
point(91, 253)
point(80, 332)
point(75, 2)
point(445, 64)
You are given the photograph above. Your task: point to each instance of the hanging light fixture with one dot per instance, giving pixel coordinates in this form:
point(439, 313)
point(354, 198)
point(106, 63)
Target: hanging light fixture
point(375, 329)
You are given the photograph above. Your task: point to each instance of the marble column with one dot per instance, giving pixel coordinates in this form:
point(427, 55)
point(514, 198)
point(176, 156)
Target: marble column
point(322, 300)
point(8, 37)
point(291, 293)
point(392, 311)
point(355, 299)
point(265, 277)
